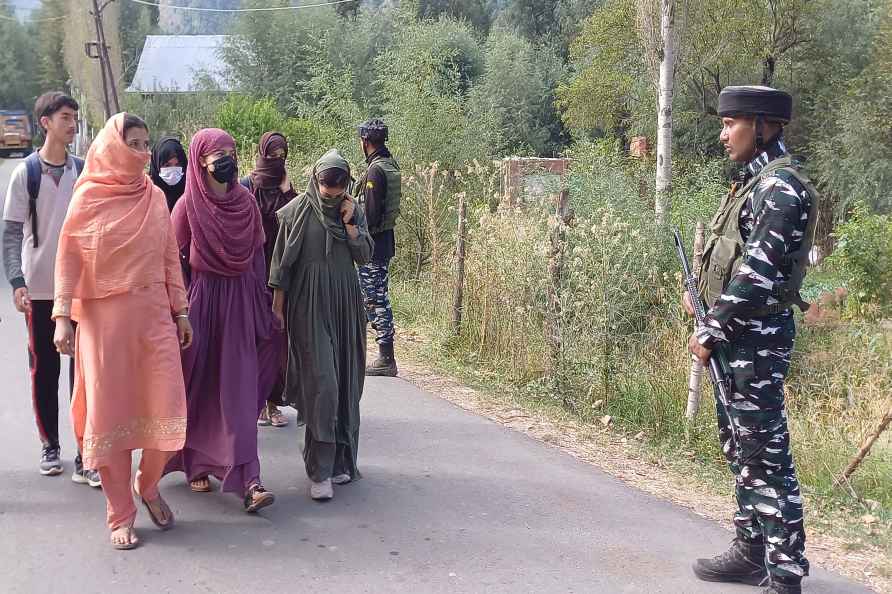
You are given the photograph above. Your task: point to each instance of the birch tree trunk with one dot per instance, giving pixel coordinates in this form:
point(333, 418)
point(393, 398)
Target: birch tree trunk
point(695, 376)
point(664, 114)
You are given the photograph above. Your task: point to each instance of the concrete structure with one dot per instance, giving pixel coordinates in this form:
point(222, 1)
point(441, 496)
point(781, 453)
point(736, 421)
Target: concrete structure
point(531, 179)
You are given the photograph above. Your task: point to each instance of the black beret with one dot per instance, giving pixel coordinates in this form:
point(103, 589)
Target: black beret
point(753, 100)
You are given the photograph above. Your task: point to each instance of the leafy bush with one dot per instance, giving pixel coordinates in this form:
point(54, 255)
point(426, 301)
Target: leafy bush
point(425, 78)
point(864, 255)
point(518, 84)
point(178, 114)
point(248, 119)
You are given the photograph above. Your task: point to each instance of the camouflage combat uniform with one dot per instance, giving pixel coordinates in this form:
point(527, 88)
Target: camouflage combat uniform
point(374, 279)
point(773, 224)
point(379, 191)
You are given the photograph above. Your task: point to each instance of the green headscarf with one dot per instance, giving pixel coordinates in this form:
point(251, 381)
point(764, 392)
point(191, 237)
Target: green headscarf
point(295, 214)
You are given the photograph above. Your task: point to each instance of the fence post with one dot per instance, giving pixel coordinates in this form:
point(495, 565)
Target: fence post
point(695, 377)
point(553, 335)
point(458, 293)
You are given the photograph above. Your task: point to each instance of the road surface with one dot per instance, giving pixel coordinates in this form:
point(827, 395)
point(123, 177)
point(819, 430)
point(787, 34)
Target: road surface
point(450, 502)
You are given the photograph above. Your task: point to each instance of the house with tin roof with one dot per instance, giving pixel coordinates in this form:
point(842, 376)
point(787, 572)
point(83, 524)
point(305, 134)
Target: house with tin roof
point(171, 64)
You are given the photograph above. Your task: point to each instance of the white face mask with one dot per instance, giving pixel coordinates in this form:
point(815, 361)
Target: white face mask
point(171, 175)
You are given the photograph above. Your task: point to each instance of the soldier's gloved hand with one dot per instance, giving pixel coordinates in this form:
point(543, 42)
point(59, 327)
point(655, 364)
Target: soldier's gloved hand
point(686, 303)
point(698, 350)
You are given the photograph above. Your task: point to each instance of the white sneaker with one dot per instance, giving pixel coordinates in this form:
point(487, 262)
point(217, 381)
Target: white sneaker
point(341, 479)
point(321, 491)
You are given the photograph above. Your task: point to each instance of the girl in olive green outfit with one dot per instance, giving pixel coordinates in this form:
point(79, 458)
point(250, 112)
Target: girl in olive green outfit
point(322, 237)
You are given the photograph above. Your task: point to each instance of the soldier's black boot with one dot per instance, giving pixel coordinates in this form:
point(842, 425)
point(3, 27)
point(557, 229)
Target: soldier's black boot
point(780, 585)
point(385, 364)
point(744, 563)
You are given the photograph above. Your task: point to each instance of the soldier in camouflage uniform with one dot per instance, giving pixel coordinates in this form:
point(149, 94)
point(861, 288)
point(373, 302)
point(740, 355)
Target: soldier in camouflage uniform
point(753, 265)
point(379, 191)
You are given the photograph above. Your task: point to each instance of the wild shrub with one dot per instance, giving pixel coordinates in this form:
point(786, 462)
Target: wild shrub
point(622, 335)
point(247, 119)
point(863, 255)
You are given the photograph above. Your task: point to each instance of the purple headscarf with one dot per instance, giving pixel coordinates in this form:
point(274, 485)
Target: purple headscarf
point(224, 231)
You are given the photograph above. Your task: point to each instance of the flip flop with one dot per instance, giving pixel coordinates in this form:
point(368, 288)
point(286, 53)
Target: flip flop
point(166, 508)
point(134, 542)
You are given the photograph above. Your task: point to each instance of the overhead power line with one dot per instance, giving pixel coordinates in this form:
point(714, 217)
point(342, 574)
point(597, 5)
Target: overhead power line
point(234, 10)
point(29, 20)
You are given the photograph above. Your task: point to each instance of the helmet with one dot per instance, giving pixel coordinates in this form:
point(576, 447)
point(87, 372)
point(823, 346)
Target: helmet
point(374, 130)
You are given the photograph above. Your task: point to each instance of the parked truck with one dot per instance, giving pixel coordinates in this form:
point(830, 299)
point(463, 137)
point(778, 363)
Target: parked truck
point(15, 133)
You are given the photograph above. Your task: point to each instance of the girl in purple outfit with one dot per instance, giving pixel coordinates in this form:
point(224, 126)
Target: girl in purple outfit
point(232, 363)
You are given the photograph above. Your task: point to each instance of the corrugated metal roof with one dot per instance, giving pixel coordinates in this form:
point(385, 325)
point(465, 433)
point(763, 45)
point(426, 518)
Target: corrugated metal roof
point(181, 64)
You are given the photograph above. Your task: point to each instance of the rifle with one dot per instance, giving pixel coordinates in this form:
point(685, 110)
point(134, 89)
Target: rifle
point(718, 362)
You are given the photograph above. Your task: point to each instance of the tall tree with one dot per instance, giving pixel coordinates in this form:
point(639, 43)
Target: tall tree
point(662, 50)
point(605, 90)
point(18, 65)
point(517, 87)
point(533, 19)
point(348, 10)
point(141, 21)
point(52, 73)
point(476, 12)
point(192, 22)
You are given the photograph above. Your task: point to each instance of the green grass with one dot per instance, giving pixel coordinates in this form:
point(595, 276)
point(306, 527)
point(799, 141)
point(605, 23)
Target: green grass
point(648, 392)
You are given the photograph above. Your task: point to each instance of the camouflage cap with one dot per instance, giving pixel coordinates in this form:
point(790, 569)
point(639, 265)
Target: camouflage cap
point(374, 130)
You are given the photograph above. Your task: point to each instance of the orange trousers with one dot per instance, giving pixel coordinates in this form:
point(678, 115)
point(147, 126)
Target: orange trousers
point(118, 488)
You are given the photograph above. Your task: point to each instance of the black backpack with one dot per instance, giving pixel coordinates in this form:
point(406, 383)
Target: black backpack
point(35, 173)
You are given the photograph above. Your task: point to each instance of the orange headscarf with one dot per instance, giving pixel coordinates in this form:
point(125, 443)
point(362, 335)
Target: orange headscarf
point(116, 230)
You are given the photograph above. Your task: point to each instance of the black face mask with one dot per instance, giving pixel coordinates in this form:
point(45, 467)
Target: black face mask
point(224, 169)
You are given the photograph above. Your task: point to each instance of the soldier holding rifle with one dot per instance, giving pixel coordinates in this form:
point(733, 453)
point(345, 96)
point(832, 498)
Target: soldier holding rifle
point(752, 269)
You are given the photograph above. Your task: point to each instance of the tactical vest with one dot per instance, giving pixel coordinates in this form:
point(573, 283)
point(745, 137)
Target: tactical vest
point(725, 247)
point(391, 208)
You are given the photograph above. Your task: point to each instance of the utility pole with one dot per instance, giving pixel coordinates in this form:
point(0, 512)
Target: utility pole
point(98, 50)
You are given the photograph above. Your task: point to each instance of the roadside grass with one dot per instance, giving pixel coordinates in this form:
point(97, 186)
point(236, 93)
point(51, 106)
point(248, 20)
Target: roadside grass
point(839, 383)
point(580, 322)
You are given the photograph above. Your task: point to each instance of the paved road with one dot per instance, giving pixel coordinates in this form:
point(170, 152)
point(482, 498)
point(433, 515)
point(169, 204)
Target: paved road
point(450, 502)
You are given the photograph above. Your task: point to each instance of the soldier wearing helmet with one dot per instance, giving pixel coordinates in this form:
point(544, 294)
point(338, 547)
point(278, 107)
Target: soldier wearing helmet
point(753, 265)
point(379, 191)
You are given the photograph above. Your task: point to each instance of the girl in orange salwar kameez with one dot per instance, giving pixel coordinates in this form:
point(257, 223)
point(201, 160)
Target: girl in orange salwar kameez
point(118, 275)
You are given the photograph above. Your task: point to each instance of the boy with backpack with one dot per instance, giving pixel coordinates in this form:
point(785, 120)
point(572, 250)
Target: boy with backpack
point(36, 204)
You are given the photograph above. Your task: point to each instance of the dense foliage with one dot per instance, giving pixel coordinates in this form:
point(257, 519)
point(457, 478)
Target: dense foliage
point(17, 56)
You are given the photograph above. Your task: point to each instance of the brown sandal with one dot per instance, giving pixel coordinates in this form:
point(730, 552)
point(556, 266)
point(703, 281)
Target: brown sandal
point(126, 546)
point(164, 508)
point(201, 485)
